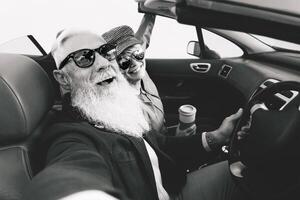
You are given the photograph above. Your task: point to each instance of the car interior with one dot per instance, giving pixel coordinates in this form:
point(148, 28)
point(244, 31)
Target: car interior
point(217, 87)
point(27, 96)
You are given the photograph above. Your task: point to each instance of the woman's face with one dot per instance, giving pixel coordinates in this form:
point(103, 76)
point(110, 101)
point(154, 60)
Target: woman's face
point(133, 59)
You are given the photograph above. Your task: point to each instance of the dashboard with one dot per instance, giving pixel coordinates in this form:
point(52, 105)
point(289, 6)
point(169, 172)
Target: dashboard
point(250, 76)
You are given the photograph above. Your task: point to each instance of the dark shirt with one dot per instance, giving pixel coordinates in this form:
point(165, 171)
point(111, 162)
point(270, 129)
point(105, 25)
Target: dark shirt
point(80, 157)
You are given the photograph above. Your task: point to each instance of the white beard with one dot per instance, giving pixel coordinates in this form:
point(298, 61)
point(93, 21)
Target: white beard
point(116, 107)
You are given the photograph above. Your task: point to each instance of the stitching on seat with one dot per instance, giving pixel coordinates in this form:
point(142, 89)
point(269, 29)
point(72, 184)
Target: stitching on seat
point(25, 159)
point(18, 100)
point(26, 162)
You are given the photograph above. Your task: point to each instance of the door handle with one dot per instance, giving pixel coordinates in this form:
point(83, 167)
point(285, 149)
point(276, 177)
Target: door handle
point(200, 67)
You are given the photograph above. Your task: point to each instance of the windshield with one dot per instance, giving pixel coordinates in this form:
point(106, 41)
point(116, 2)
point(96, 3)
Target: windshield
point(278, 43)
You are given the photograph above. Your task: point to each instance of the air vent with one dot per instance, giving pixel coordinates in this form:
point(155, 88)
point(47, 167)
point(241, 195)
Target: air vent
point(268, 82)
point(225, 71)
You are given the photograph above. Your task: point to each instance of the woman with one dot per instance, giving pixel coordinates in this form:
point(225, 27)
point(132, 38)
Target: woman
point(131, 49)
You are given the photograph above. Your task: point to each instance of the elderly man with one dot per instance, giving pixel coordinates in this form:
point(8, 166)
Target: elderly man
point(101, 144)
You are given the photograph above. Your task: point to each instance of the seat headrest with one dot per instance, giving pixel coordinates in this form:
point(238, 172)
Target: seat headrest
point(47, 62)
point(26, 95)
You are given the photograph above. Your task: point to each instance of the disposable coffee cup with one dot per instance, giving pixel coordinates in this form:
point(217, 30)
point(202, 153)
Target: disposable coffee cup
point(187, 116)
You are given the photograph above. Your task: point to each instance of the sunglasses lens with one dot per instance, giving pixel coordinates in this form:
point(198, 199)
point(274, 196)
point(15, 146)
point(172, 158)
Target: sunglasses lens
point(108, 51)
point(84, 58)
point(112, 54)
point(124, 63)
point(139, 55)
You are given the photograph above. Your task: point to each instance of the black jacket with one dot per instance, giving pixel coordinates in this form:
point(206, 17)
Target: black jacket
point(80, 156)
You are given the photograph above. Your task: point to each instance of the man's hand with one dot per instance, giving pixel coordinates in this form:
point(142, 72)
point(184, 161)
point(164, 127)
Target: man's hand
point(244, 131)
point(145, 30)
point(223, 133)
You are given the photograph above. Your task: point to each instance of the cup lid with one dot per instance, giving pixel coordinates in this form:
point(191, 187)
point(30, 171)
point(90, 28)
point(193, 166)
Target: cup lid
point(187, 110)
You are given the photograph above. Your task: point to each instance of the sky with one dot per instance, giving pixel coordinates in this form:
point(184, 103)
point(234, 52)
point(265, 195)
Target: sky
point(44, 18)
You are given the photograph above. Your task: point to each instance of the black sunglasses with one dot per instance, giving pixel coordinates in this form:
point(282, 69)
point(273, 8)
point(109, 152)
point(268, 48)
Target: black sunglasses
point(126, 61)
point(85, 58)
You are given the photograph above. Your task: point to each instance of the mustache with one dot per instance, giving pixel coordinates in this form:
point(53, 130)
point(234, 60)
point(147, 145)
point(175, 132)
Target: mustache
point(105, 74)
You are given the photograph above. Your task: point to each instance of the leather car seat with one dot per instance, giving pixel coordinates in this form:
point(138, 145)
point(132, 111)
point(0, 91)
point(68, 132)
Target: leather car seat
point(26, 98)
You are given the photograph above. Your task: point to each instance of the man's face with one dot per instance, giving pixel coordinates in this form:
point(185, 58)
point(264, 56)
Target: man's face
point(137, 67)
point(100, 92)
point(100, 75)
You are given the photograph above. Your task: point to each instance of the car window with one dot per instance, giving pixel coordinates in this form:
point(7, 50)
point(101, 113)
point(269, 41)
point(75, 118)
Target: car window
point(169, 39)
point(278, 43)
point(22, 45)
point(222, 46)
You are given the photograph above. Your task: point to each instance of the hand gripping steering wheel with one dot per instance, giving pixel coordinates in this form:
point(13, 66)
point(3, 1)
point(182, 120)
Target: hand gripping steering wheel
point(265, 164)
point(260, 145)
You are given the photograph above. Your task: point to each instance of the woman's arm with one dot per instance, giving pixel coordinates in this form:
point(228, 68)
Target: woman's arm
point(145, 30)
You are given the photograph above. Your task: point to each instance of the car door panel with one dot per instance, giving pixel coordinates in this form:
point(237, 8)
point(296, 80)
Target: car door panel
point(178, 83)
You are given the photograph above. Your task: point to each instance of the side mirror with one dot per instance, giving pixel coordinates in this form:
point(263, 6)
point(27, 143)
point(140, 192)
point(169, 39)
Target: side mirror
point(193, 48)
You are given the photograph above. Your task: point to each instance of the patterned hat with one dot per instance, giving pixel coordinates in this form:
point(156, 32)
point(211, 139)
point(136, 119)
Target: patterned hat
point(122, 36)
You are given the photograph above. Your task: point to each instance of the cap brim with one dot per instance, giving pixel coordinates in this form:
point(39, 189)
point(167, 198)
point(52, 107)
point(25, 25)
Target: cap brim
point(127, 43)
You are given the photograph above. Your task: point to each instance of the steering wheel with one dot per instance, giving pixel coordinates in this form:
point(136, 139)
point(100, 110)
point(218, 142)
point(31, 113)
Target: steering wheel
point(235, 153)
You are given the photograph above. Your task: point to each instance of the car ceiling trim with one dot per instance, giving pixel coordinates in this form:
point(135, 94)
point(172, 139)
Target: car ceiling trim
point(273, 25)
point(243, 10)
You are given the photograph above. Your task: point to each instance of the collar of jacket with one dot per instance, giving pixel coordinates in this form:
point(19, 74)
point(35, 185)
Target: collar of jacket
point(69, 110)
